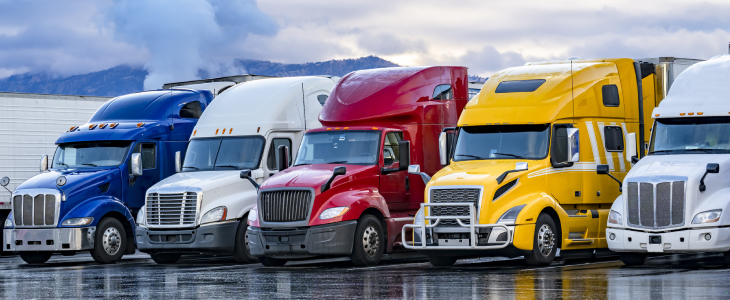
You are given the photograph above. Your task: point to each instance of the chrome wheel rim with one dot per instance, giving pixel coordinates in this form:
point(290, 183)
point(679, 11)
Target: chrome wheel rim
point(545, 240)
point(370, 241)
point(112, 240)
point(245, 242)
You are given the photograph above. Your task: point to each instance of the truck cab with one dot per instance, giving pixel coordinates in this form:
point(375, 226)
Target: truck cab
point(675, 200)
point(521, 176)
point(204, 207)
point(87, 196)
point(348, 192)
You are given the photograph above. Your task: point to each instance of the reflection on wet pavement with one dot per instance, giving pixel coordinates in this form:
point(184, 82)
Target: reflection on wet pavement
point(666, 277)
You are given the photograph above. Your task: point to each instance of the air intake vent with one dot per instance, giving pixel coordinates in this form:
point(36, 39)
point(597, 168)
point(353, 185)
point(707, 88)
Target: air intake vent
point(503, 189)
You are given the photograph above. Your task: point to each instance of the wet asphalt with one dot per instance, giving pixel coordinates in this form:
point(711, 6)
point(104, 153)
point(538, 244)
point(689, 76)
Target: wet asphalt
point(399, 276)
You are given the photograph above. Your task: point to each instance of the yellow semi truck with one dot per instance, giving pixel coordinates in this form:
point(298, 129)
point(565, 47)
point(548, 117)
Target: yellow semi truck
point(523, 169)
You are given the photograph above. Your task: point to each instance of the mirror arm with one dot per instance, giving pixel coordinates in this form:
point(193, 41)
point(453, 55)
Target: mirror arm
point(620, 185)
point(424, 176)
point(6, 188)
point(253, 182)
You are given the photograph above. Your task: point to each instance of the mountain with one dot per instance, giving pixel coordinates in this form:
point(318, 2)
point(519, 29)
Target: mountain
point(122, 80)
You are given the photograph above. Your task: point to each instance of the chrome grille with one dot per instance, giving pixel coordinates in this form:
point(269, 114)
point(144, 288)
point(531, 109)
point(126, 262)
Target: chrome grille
point(38, 210)
point(172, 210)
point(285, 205)
point(656, 205)
point(453, 196)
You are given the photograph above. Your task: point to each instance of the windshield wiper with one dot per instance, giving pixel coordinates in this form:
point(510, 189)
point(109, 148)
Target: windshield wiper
point(196, 168)
point(227, 166)
point(337, 162)
point(302, 165)
point(93, 165)
point(661, 152)
point(700, 149)
point(60, 163)
point(507, 154)
point(472, 156)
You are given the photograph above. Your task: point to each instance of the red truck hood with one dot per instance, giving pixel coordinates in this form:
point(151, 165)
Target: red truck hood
point(314, 176)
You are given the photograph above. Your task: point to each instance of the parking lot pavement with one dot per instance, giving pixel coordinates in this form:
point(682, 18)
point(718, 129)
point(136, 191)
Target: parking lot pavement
point(399, 276)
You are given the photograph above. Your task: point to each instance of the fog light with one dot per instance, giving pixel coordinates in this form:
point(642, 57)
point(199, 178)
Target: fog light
point(707, 236)
point(612, 236)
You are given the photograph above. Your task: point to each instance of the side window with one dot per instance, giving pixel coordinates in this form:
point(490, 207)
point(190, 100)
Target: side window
point(614, 138)
point(272, 161)
point(443, 92)
point(390, 147)
point(610, 95)
point(192, 110)
point(322, 99)
point(559, 146)
point(148, 152)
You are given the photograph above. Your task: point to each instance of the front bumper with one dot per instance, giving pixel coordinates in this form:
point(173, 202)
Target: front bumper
point(49, 239)
point(679, 241)
point(216, 238)
point(329, 239)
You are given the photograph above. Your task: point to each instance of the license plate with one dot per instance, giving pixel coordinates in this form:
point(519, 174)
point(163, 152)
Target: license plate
point(655, 248)
point(453, 242)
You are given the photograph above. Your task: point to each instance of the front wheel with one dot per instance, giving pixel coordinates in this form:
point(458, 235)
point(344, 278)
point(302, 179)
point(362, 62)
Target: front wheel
point(442, 261)
point(544, 246)
point(369, 244)
point(110, 242)
point(633, 259)
point(165, 258)
point(241, 250)
point(272, 262)
point(35, 257)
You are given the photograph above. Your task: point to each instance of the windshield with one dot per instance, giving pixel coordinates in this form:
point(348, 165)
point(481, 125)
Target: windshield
point(343, 147)
point(90, 154)
point(691, 135)
point(502, 141)
point(230, 153)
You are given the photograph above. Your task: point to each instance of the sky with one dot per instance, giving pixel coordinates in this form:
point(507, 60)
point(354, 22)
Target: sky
point(174, 39)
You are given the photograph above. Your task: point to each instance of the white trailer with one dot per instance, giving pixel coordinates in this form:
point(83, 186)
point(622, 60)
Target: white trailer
point(29, 127)
point(677, 198)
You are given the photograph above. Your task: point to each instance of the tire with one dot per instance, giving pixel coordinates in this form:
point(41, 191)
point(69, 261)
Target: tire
point(369, 244)
point(442, 261)
point(241, 252)
point(165, 258)
point(110, 242)
point(633, 259)
point(272, 262)
point(544, 244)
point(35, 257)
point(727, 257)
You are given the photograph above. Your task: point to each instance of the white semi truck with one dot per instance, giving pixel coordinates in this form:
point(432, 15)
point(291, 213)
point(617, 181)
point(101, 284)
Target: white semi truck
point(204, 208)
point(677, 198)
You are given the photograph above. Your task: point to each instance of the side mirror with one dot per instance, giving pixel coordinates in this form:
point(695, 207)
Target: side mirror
point(178, 163)
point(603, 170)
point(404, 154)
point(136, 164)
point(711, 168)
point(631, 147)
point(416, 170)
point(246, 174)
point(338, 171)
point(446, 139)
point(573, 145)
point(44, 163)
point(283, 157)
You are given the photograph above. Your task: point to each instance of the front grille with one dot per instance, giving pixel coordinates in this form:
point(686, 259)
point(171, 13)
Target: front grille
point(38, 210)
point(285, 205)
point(172, 210)
point(656, 205)
point(453, 196)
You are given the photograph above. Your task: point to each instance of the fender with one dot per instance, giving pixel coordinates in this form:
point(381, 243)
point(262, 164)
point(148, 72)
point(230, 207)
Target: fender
point(97, 207)
point(356, 200)
point(523, 237)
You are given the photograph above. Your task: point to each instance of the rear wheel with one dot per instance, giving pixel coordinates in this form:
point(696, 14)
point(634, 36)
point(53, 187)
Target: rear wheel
point(35, 257)
point(110, 242)
point(442, 261)
point(633, 259)
point(369, 244)
point(272, 262)
point(544, 246)
point(241, 251)
point(166, 258)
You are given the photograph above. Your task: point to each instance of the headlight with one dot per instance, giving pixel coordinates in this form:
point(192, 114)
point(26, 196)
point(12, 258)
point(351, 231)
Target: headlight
point(614, 217)
point(253, 215)
point(77, 221)
point(141, 217)
point(8, 223)
point(510, 216)
point(420, 217)
point(333, 212)
point(709, 216)
point(214, 215)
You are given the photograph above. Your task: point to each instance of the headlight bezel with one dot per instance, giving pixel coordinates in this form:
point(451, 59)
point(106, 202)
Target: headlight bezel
point(253, 215)
point(9, 223)
point(696, 220)
point(615, 218)
point(77, 222)
point(509, 217)
point(141, 219)
point(209, 216)
point(333, 212)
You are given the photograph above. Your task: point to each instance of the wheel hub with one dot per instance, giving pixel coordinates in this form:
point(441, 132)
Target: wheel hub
point(111, 240)
point(545, 240)
point(370, 241)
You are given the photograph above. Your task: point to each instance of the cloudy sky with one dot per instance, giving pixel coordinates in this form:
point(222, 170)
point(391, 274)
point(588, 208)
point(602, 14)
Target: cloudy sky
point(175, 38)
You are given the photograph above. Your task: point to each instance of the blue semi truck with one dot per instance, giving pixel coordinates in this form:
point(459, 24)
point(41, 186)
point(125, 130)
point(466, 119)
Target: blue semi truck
point(88, 197)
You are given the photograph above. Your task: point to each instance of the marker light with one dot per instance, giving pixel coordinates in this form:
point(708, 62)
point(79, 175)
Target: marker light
point(376, 128)
point(691, 114)
point(656, 115)
point(102, 125)
point(73, 128)
point(346, 128)
point(194, 132)
point(92, 126)
point(140, 125)
point(699, 113)
point(216, 131)
point(224, 131)
point(114, 125)
point(681, 114)
point(230, 131)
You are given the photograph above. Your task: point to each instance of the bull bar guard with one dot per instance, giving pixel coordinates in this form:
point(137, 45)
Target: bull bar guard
point(472, 229)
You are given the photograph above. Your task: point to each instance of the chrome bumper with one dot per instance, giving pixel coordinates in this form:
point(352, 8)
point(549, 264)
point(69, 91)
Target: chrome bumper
point(471, 228)
point(50, 239)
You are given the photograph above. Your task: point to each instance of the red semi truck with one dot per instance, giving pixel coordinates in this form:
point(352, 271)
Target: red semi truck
point(349, 192)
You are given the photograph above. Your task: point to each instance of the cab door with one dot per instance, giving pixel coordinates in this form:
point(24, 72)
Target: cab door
point(565, 179)
point(394, 186)
point(136, 187)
